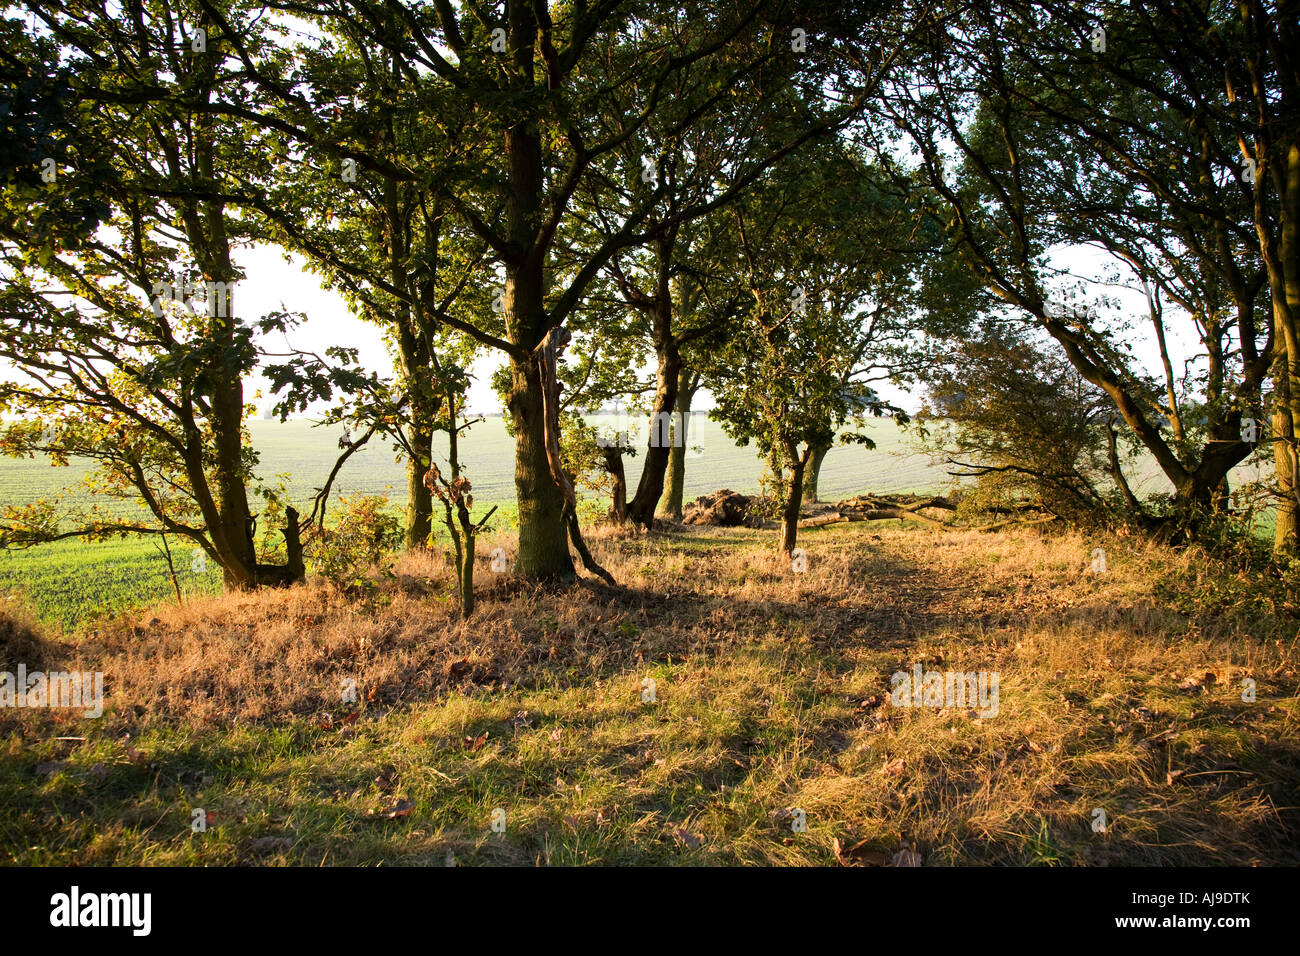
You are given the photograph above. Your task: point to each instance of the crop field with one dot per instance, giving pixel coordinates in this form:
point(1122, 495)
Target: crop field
point(72, 583)
point(69, 584)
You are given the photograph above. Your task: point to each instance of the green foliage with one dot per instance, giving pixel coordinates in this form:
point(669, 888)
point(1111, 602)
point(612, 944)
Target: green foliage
point(825, 302)
point(363, 537)
point(1006, 407)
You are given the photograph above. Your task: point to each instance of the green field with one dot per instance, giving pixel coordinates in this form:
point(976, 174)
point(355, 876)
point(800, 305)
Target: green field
point(71, 582)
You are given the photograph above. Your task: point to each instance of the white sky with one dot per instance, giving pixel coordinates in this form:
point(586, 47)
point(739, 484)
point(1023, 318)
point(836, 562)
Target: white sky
point(272, 283)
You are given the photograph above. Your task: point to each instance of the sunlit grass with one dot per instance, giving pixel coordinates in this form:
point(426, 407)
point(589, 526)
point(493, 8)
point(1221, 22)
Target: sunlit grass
point(770, 697)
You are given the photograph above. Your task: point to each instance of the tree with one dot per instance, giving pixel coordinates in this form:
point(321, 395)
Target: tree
point(128, 344)
point(384, 241)
point(828, 294)
point(1050, 150)
point(1008, 408)
point(535, 97)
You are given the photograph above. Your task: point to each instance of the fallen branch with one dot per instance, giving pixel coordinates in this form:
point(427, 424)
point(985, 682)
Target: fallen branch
point(871, 508)
point(820, 520)
point(998, 525)
point(881, 514)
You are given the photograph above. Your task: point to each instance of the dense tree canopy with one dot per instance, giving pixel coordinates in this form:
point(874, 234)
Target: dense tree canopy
point(780, 205)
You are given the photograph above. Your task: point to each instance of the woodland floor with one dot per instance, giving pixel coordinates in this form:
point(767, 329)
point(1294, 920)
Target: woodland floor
point(1120, 694)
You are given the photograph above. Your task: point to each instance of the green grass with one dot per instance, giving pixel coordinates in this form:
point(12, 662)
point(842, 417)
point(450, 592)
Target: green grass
point(71, 584)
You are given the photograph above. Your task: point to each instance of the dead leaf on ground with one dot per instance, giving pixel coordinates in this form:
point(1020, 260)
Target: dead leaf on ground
point(402, 808)
point(859, 854)
point(693, 841)
point(474, 743)
point(894, 768)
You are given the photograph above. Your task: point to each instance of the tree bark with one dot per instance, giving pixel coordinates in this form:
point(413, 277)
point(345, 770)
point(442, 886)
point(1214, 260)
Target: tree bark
point(618, 496)
point(419, 500)
point(1284, 534)
point(415, 358)
point(814, 472)
point(688, 382)
point(793, 500)
point(232, 533)
point(543, 533)
point(1284, 282)
point(663, 435)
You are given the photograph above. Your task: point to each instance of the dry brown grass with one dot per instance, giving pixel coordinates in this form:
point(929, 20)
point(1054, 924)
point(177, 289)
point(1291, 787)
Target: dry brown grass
point(21, 640)
point(1119, 691)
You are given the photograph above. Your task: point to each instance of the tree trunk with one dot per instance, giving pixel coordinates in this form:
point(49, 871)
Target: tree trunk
point(543, 533)
point(235, 542)
point(294, 568)
point(233, 535)
point(1284, 534)
point(1285, 286)
point(419, 500)
point(793, 501)
point(465, 574)
point(543, 536)
point(415, 359)
point(618, 496)
point(664, 432)
point(814, 472)
point(688, 382)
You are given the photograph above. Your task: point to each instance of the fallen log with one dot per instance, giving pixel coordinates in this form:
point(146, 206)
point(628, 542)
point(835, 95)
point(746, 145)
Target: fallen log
point(820, 520)
point(872, 508)
point(871, 502)
point(883, 514)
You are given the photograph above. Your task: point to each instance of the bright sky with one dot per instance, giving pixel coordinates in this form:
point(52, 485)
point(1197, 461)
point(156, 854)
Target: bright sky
point(272, 283)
